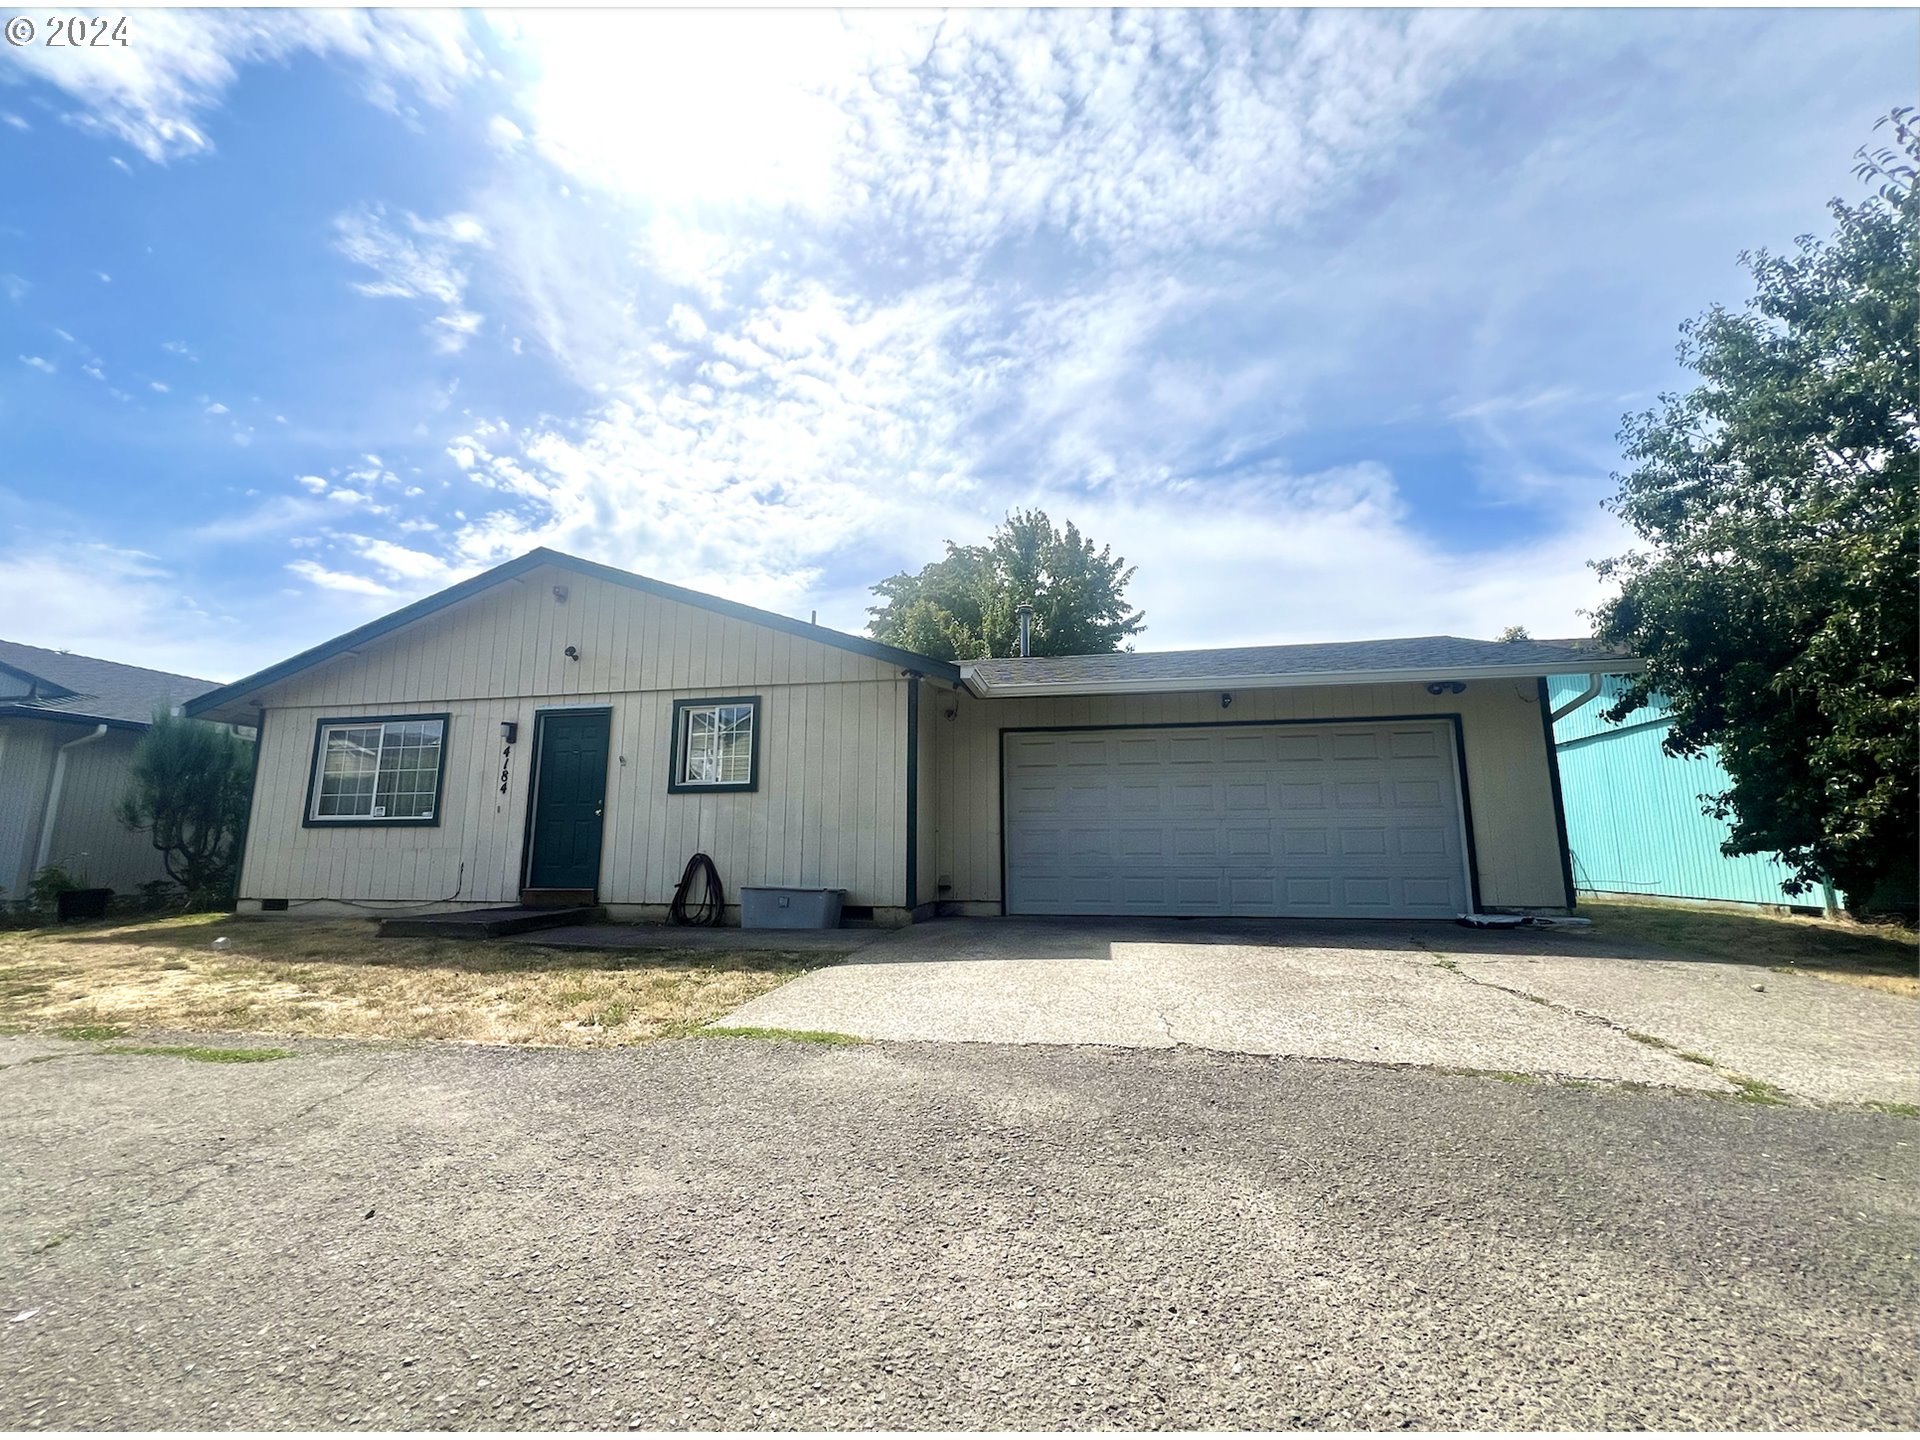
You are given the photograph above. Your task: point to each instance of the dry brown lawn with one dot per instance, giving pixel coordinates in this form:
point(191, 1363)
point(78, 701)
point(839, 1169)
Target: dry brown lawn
point(336, 978)
point(1879, 957)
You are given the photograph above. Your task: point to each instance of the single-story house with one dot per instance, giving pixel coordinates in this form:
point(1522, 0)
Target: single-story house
point(555, 730)
point(68, 725)
point(1634, 823)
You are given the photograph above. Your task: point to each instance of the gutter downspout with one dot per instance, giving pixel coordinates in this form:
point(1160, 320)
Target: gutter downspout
point(1595, 684)
point(50, 817)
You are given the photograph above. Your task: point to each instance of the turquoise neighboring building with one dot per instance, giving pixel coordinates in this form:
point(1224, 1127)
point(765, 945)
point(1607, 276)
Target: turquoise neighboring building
point(1634, 825)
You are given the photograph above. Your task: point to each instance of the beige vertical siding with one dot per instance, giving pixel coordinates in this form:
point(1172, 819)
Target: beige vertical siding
point(830, 810)
point(88, 840)
point(934, 701)
point(88, 837)
point(1516, 839)
point(26, 767)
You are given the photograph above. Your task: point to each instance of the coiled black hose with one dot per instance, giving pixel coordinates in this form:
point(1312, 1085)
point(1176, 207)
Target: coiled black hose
point(711, 907)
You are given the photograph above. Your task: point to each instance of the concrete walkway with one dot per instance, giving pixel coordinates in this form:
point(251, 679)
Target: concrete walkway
point(1563, 1003)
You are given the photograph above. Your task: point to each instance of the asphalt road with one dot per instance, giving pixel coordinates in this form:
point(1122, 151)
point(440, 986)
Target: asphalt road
point(751, 1233)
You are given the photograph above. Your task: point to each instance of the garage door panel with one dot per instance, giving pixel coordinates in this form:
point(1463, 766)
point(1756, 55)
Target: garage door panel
point(1344, 819)
point(1366, 892)
point(1415, 794)
point(1414, 744)
point(1249, 840)
point(1357, 795)
point(1434, 890)
point(1356, 745)
point(1355, 841)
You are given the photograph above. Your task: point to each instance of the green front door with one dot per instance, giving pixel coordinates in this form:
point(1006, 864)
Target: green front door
point(569, 794)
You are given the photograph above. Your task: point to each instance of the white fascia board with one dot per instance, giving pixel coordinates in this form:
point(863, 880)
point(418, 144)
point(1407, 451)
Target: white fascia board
point(979, 685)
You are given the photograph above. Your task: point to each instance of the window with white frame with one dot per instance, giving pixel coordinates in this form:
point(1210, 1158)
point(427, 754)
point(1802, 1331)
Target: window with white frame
point(378, 771)
point(715, 744)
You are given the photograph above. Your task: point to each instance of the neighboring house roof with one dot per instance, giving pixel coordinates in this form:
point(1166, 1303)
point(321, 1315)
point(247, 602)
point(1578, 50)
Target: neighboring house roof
point(1343, 662)
point(83, 688)
point(532, 560)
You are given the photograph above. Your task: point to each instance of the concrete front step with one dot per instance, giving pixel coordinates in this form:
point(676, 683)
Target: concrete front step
point(490, 923)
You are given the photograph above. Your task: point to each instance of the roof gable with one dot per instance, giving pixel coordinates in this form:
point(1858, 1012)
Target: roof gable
point(532, 560)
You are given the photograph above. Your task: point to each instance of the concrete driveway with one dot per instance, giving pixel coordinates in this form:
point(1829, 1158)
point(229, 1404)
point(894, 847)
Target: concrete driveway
point(1566, 1003)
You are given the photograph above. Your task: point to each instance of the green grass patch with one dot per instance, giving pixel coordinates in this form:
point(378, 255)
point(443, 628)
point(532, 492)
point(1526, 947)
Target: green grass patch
point(209, 1054)
point(1895, 1107)
point(91, 1032)
point(772, 1032)
point(1757, 1092)
point(1697, 1058)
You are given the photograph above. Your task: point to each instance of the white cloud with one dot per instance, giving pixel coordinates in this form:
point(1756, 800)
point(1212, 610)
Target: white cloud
point(159, 387)
point(318, 575)
point(40, 363)
point(216, 408)
point(1332, 556)
point(411, 567)
point(416, 263)
point(156, 93)
point(1146, 128)
point(276, 516)
point(15, 286)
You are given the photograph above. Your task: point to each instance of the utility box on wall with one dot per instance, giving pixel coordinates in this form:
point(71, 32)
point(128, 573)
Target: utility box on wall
point(784, 907)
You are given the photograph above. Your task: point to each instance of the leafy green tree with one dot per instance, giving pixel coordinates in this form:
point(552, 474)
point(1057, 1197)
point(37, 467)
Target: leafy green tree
point(1774, 601)
point(188, 789)
point(966, 606)
point(1513, 634)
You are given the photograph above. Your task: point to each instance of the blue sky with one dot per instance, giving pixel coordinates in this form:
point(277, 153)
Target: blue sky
point(1325, 319)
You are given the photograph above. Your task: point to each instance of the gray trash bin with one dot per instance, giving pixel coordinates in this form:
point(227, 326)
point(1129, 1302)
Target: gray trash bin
point(785, 907)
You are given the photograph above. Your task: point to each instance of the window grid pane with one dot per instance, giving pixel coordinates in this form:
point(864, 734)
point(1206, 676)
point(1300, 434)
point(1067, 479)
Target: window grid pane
point(717, 745)
point(387, 771)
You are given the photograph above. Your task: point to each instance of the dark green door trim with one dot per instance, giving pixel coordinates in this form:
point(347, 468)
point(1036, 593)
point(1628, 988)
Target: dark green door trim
point(566, 799)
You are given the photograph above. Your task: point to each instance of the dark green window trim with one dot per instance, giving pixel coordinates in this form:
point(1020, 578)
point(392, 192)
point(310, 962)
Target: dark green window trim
point(356, 822)
point(675, 786)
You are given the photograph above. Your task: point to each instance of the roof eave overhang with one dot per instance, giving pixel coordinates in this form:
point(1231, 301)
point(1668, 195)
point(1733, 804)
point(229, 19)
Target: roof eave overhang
point(67, 717)
point(1600, 665)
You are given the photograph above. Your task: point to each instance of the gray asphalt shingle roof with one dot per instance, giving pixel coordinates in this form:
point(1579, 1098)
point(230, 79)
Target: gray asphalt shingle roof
point(1434, 654)
point(97, 689)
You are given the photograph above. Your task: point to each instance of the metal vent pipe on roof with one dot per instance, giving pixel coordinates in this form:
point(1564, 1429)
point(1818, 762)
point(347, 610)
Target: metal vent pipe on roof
point(1026, 629)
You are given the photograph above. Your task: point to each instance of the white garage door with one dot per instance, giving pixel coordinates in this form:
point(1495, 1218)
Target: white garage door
point(1351, 820)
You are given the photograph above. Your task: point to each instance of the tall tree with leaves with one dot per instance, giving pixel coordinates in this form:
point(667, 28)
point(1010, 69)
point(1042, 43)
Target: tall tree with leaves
point(1774, 601)
point(966, 606)
point(188, 788)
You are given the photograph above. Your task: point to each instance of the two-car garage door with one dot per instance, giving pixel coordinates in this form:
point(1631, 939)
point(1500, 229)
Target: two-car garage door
point(1358, 819)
